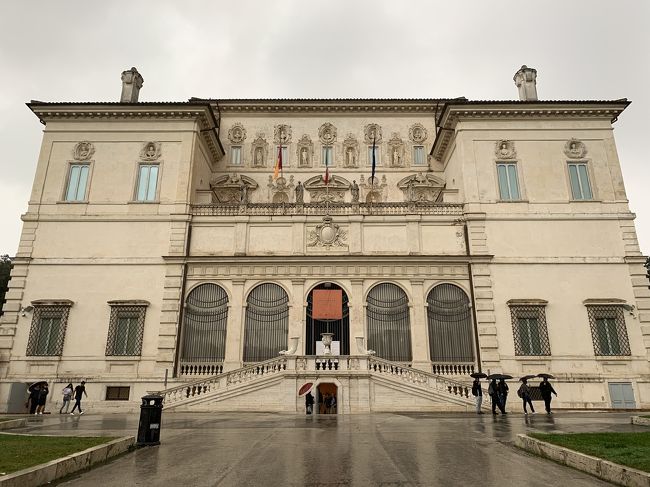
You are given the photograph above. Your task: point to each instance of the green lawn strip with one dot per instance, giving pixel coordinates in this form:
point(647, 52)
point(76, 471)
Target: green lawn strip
point(630, 449)
point(20, 451)
point(646, 417)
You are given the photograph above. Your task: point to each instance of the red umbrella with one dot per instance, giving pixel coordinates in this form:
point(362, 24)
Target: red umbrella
point(305, 388)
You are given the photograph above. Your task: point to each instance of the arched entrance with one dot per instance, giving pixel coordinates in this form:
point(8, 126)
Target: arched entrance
point(340, 328)
point(326, 398)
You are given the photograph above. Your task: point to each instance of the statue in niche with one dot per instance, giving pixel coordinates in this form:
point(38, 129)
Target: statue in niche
point(396, 157)
point(244, 194)
point(258, 156)
point(303, 157)
point(300, 193)
point(349, 157)
point(354, 189)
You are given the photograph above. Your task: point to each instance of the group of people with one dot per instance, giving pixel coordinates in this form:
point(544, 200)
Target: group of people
point(498, 392)
point(326, 403)
point(38, 398)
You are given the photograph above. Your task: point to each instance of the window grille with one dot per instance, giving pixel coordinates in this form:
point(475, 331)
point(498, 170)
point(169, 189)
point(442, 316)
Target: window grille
point(125, 330)
point(450, 325)
point(47, 333)
point(204, 324)
point(389, 327)
point(267, 323)
point(529, 330)
point(608, 331)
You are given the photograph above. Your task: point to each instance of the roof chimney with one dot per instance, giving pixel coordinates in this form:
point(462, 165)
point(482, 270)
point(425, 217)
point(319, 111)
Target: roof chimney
point(526, 81)
point(132, 81)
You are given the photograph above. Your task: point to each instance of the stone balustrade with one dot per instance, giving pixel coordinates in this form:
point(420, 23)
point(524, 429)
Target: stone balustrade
point(195, 369)
point(459, 368)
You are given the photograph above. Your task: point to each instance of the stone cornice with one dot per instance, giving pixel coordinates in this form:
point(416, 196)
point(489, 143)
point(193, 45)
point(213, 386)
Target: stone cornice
point(202, 112)
point(456, 111)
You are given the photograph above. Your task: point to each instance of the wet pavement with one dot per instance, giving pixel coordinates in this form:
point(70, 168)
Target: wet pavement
point(246, 449)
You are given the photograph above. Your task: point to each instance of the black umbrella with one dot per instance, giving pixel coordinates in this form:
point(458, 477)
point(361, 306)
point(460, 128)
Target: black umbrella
point(39, 383)
point(499, 376)
point(478, 375)
point(527, 377)
point(546, 376)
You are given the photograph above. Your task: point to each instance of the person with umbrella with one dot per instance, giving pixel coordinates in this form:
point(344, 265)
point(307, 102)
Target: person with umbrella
point(34, 394)
point(502, 392)
point(524, 393)
point(309, 402)
point(492, 392)
point(546, 389)
point(477, 390)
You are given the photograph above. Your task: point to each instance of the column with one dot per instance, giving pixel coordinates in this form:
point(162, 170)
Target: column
point(419, 335)
point(357, 312)
point(235, 333)
point(297, 315)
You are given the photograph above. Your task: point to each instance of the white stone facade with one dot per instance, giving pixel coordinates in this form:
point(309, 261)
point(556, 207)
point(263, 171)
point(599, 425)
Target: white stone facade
point(524, 247)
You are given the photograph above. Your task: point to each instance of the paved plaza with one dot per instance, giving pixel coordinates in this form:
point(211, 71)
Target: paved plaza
point(239, 449)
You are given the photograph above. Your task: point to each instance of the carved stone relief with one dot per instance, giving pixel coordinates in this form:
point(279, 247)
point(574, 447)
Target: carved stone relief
point(350, 151)
point(281, 190)
point(372, 131)
point(417, 133)
point(423, 187)
point(150, 151)
point(305, 151)
point(327, 234)
point(505, 149)
point(327, 133)
point(237, 133)
point(83, 151)
point(259, 151)
point(232, 188)
point(373, 191)
point(319, 192)
point(575, 149)
point(282, 134)
point(396, 151)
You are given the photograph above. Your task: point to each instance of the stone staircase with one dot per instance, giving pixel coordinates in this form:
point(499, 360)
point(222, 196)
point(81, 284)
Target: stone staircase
point(368, 384)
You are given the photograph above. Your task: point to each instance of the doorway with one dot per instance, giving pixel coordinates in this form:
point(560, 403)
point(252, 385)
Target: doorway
point(327, 399)
point(340, 328)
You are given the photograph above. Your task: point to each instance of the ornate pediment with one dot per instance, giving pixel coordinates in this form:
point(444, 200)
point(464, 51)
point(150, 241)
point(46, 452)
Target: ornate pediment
point(232, 188)
point(281, 190)
point(351, 151)
point(321, 192)
point(373, 190)
point(424, 187)
point(575, 149)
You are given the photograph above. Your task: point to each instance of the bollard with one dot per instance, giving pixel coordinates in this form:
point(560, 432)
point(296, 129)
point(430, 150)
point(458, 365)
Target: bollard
point(150, 418)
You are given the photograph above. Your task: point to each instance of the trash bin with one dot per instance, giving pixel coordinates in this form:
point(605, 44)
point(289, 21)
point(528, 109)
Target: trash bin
point(150, 416)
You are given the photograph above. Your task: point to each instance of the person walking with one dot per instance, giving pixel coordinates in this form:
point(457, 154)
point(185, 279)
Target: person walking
point(546, 389)
point(32, 401)
point(502, 393)
point(67, 396)
point(492, 392)
point(42, 399)
point(79, 392)
point(524, 393)
point(309, 403)
point(477, 392)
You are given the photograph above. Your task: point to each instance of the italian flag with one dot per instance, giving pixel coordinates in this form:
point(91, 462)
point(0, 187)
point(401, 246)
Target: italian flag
point(278, 164)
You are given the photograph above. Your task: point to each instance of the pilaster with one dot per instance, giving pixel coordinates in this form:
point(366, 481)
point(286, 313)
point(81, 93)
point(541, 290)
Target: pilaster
point(234, 334)
point(169, 318)
point(297, 313)
point(357, 314)
point(419, 335)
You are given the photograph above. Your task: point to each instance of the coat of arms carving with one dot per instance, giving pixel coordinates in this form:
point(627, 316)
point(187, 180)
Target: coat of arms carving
point(237, 133)
point(327, 234)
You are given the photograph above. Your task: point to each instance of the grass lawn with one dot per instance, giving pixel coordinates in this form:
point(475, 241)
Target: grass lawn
point(647, 417)
point(20, 452)
point(630, 449)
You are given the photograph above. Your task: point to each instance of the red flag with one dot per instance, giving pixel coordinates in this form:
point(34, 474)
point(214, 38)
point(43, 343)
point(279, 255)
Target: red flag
point(278, 164)
point(327, 168)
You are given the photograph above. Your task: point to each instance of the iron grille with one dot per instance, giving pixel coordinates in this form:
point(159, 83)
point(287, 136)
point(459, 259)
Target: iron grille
point(47, 332)
point(205, 322)
point(389, 328)
point(267, 323)
point(529, 330)
point(451, 338)
point(125, 330)
point(608, 331)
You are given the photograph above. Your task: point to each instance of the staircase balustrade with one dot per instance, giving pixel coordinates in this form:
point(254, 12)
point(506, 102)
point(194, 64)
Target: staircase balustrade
point(453, 368)
point(188, 369)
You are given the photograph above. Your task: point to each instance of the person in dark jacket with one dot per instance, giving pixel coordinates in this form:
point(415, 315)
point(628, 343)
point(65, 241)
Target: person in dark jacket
point(309, 403)
point(42, 399)
point(493, 393)
point(32, 401)
point(79, 392)
point(477, 392)
point(546, 390)
point(524, 393)
point(502, 393)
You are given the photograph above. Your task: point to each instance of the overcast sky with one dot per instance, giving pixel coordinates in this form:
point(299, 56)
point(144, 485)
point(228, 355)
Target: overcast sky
point(76, 50)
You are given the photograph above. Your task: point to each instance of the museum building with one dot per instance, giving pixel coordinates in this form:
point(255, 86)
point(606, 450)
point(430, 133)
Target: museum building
point(226, 252)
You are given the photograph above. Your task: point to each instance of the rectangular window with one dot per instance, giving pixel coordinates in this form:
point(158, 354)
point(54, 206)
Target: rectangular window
point(147, 182)
point(117, 393)
point(48, 330)
point(328, 156)
point(77, 182)
point(125, 329)
point(377, 158)
point(418, 155)
point(235, 156)
point(508, 184)
point(530, 330)
point(579, 178)
point(608, 331)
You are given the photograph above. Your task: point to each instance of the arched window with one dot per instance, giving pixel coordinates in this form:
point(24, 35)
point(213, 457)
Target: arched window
point(204, 324)
point(389, 328)
point(267, 323)
point(451, 338)
point(340, 328)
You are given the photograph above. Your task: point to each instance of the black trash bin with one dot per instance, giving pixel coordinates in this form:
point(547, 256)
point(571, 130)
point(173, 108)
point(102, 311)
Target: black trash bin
point(150, 416)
